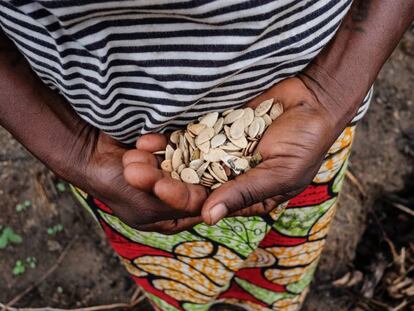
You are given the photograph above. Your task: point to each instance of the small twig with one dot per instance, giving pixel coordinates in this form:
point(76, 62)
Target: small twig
point(400, 306)
point(356, 183)
point(135, 300)
point(94, 308)
point(44, 277)
point(136, 294)
point(403, 208)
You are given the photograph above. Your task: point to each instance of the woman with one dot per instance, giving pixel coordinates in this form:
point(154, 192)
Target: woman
point(108, 74)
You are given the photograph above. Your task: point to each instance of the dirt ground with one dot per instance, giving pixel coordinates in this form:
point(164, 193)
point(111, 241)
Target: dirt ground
point(37, 208)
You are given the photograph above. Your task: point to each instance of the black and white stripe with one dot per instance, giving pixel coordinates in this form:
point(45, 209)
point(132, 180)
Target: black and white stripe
point(137, 66)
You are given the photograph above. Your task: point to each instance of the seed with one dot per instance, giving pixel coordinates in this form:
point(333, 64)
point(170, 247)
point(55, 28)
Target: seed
point(276, 110)
point(233, 116)
point(175, 175)
point(215, 186)
point(254, 129)
point(241, 142)
point(169, 152)
point(177, 159)
point(252, 146)
point(262, 127)
point(207, 176)
point(204, 147)
point(209, 119)
point(241, 165)
point(180, 168)
point(226, 112)
point(229, 146)
point(196, 128)
point(175, 136)
point(219, 171)
point(218, 140)
point(195, 164)
point(202, 169)
point(214, 155)
point(190, 140)
point(263, 107)
point(218, 147)
point(195, 154)
point(204, 136)
point(216, 178)
point(267, 119)
point(160, 152)
point(218, 126)
point(166, 165)
point(256, 159)
point(237, 129)
point(189, 176)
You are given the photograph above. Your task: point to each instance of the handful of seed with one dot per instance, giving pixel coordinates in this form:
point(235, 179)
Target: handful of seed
point(217, 148)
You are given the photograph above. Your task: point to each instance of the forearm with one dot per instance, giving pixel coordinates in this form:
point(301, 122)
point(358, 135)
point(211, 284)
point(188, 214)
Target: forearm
point(39, 118)
point(344, 71)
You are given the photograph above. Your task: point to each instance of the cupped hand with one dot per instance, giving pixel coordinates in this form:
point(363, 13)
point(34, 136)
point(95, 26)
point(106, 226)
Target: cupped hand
point(293, 148)
point(137, 208)
point(142, 171)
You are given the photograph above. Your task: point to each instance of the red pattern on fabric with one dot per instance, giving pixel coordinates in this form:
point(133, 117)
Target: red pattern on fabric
point(254, 276)
point(145, 284)
point(130, 250)
point(274, 238)
point(235, 291)
point(102, 206)
point(312, 195)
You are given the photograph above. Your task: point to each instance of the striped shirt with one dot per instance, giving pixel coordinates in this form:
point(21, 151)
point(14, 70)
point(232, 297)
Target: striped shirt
point(137, 66)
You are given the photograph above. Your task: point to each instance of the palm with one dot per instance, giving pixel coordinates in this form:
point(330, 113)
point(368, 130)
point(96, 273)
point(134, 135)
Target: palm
point(133, 206)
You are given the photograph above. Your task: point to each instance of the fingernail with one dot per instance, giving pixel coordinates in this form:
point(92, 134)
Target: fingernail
point(217, 212)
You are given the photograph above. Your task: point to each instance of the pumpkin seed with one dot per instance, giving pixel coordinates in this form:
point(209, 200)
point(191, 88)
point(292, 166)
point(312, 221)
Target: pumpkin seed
point(263, 107)
point(189, 176)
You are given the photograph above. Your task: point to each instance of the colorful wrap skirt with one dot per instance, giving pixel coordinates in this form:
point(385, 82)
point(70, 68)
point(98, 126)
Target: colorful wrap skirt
point(259, 263)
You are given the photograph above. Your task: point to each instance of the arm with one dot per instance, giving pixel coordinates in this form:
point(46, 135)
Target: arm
point(345, 70)
point(40, 119)
point(318, 104)
point(49, 128)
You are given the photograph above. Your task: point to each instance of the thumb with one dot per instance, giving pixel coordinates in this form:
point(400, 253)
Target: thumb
point(247, 189)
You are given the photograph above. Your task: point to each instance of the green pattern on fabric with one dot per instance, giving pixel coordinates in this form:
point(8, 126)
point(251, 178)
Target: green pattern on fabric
point(196, 307)
point(154, 239)
point(161, 303)
point(267, 296)
point(241, 234)
point(298, 221)
point(339, 178)
point(299, 286)
point(82, 201)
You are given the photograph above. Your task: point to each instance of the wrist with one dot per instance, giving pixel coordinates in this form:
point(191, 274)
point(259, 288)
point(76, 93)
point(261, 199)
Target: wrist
point(337, 101)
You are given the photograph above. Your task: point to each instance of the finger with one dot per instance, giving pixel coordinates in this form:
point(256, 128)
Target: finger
point(141, 156)
point(254, 186)
point(152, 142)
point(260, 208)
point(172, 226)
point(142, 176)
point(181, 196)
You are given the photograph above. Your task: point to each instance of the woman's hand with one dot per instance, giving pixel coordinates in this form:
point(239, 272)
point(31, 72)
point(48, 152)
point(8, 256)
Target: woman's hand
point(49, 128)
point(293, 148)
point(142, 172)
point(103, 172)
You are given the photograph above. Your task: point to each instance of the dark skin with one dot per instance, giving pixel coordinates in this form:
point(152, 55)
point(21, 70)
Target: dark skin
point(318, 104)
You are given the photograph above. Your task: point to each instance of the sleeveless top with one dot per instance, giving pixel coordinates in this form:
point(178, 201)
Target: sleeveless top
point(137, 66)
